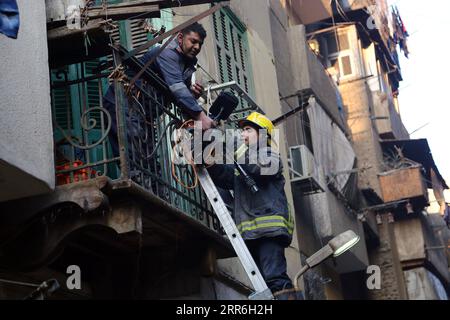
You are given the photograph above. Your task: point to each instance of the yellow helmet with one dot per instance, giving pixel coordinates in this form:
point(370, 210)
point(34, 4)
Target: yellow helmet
point(260, 120)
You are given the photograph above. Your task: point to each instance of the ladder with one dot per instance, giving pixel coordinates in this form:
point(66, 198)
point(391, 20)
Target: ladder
point(262, 292)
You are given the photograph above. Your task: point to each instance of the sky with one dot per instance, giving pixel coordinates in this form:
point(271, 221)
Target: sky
point(425, 90)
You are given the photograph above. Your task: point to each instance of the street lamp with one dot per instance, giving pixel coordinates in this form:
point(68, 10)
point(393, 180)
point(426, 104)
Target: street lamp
point(335, 247)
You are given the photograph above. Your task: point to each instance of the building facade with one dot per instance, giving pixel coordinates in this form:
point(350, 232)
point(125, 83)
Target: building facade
point(135, 231)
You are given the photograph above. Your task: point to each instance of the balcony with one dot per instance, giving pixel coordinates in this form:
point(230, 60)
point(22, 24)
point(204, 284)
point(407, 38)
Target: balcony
point(130, 191)
point(371, 14)
point(404, 184)
point(409, 171)
point(420, 243)
point(388, 120)
point(312, 11)
point(311, 77)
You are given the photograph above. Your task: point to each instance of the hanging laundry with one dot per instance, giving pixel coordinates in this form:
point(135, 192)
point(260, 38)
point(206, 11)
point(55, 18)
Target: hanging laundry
point(9, 18)
point(400, 34)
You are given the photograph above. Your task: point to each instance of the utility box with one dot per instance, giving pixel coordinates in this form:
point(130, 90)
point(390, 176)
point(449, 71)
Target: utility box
point(402, 184)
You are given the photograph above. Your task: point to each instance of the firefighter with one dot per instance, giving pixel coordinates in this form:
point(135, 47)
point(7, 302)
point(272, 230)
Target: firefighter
point(263, 218)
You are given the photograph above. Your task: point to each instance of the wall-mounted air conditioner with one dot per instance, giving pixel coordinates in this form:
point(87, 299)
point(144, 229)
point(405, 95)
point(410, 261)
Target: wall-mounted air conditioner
point(304, 172)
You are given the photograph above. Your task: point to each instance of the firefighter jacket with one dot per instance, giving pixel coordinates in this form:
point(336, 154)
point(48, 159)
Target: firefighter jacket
point(266, 213)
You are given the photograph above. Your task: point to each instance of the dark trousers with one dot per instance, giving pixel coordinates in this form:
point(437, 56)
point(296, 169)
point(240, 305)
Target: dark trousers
point(268, 254)
point(135, 130)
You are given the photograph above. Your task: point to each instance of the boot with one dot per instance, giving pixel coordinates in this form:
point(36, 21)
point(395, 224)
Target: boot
point(289, 294)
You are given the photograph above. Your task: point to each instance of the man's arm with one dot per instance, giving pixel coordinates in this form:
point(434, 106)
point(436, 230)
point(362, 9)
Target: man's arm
point(170, 67)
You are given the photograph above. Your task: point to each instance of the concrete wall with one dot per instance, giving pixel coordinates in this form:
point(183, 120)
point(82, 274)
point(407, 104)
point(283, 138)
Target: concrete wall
point(285, 72)
point(436, 237)
point(26, 136)
point(392, 127)
point(359, 108)
point(323, 216)
point(422, 285)
point(393, 285)
point(320, 216)
point(410, 240)
point(310, 74)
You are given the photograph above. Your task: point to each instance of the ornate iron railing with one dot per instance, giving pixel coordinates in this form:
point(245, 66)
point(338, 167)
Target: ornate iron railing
point(128, 139)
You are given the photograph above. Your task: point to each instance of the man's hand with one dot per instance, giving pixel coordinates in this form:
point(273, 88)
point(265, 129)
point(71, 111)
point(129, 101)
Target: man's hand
point(197, 90)
point(207, 122)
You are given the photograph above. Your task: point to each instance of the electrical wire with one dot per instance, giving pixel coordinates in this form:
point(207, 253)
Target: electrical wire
point(335, 29)
point(190, 160)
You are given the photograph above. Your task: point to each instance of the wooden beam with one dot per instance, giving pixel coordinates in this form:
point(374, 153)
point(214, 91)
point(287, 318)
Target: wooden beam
point(126, 11)
point(173, 31)
point(163, 4)
point(140, 9)
point(63, 32)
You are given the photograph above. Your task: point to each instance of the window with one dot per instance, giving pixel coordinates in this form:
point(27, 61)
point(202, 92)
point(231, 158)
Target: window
point(232, 51)
point(338, 54)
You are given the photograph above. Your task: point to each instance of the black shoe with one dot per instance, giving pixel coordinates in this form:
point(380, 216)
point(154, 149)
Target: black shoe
point(289, 294)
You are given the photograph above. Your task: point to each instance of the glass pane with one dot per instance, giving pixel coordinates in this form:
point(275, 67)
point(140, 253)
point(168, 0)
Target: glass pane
point(343, 42)
point(346, 65)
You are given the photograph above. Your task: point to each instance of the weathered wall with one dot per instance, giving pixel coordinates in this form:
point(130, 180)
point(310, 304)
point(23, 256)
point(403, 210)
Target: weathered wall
point(358, 106)
point(310, 74)
point(321, 216)
point(323, 213)
point(422, 285)
point(436, 237)
point(393, 285)
point(26, 139)
point(410, 240)
point(285, 72)
point(392, 127)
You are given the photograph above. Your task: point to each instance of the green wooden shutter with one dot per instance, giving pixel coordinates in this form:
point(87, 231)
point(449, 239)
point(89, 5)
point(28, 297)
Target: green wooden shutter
point(232, 51)
point(137, 35)
point(61, 102)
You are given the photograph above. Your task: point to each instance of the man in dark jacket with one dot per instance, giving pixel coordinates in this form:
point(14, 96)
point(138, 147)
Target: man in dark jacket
point(263, 219)
point(175, 65)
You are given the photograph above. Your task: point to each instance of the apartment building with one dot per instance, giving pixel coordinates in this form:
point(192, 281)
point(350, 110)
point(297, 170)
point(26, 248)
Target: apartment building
point(132, 229)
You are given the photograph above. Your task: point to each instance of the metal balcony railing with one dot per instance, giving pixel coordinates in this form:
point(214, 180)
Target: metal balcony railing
point(130, 141)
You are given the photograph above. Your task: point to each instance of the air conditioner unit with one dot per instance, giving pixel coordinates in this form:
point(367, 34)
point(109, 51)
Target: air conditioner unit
point(304, 172)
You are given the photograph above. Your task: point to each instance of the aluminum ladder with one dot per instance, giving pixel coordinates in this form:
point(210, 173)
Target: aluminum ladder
point(262, 291)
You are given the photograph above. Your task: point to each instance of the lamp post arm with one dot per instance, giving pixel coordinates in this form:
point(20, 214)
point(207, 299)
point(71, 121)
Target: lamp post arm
point(298, 275)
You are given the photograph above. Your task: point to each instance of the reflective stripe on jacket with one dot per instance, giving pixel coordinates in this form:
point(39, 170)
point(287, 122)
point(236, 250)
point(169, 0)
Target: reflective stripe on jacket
point(264, 214)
